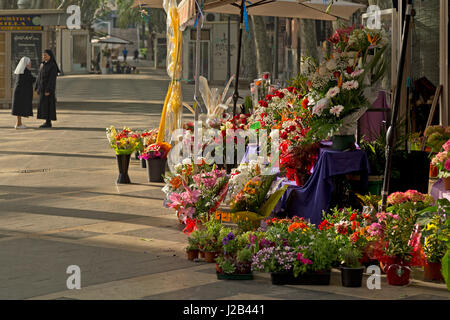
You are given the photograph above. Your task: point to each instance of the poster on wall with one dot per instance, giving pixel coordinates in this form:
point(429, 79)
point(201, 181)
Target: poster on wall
point(26, 45)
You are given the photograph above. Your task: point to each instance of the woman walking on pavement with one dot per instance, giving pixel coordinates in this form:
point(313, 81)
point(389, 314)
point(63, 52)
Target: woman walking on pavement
point(46, 88)
point(23, 92)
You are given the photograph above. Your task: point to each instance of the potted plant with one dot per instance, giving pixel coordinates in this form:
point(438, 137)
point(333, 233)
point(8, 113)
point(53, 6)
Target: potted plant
point(235, 259)
point(396, 235)
point(442, 162)
point(156, 157)
point(351, 269)
point(192, 249)
point(147, 138)
point(124, 143)
point(435, 236)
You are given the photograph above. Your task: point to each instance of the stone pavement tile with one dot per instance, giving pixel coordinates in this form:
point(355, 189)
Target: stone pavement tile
point(111, 227)
point(157, 246)
point(134, 288)
point(74, 234)
point(249, 296)
point(35, 267)
point(157, 233)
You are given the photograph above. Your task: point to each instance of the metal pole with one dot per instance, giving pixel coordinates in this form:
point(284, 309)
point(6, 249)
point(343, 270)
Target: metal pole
point(197, 71)
point(275, 67)
point(391, 132)
point(238, 67)
point(229, 49)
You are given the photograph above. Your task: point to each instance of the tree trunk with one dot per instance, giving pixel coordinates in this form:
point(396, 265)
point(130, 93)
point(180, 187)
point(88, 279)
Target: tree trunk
point(308, 39)
point(248, 65)
point(263, 50)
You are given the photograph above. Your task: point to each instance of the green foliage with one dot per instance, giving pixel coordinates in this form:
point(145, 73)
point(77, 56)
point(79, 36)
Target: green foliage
point(244, 255)
point(350, 256)
point(127, 15)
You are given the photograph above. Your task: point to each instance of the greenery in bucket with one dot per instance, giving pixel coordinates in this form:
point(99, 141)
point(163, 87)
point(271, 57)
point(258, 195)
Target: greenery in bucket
point(350, 256)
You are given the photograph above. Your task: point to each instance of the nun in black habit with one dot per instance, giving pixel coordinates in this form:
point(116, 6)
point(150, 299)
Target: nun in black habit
point(23, 92)
point(46, 88)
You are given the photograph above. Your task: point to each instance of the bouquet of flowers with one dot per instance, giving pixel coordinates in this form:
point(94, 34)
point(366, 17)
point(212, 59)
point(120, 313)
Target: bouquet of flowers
point(268, 114)
point(123, 142)
point(159, 150)
point(196, 200)
point(336, 87)
point(256, 200)
point(240, 176)
point(149, 137)
point(442, 161)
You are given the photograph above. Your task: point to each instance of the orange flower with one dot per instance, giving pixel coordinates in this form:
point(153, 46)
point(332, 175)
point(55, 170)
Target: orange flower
point(176, 182)
point(297, 225)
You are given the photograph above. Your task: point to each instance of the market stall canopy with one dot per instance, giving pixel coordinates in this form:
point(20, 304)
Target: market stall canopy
point(314, 9)
point(285, 9)
point(341, 9)
point(111, 40)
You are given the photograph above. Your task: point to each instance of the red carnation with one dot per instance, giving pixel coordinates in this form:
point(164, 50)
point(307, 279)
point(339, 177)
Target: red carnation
point(284, 135)
point(269, 97)
point(305, 103)
point(336, 74)
point(263, 103)
point(350, 70)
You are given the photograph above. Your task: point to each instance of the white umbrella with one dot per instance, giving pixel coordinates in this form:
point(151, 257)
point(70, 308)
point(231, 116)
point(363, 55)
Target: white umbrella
point(111, 40)
point(340, 8)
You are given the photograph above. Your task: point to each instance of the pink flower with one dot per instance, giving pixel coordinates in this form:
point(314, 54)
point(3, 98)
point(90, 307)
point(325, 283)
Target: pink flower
point(350, 85)
point(375, 229)
point(302, 259)
point(397, 198)
point(381, 216)
point(336, 110)
point(414, 196)
point(446, 146)
point(447, 165)
point(175, 199)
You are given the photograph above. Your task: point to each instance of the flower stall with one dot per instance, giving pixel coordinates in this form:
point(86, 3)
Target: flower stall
point(271, 212)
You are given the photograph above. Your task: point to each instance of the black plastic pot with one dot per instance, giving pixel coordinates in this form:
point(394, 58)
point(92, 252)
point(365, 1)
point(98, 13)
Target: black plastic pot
point(156, 169)
point(143, 163)
point(352, 277)
point(123, 162)
point(342, 143)
point(281, 278)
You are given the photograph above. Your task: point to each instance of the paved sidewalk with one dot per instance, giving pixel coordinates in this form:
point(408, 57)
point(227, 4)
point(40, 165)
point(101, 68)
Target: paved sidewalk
point(60, 206)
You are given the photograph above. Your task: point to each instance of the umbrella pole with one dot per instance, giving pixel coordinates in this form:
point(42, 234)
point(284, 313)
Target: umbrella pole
point(197, 71)
point(238, 67)
point(391, 132)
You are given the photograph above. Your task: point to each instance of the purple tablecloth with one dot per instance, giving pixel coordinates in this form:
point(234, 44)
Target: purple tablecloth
point(438, 192)
point(314, 197)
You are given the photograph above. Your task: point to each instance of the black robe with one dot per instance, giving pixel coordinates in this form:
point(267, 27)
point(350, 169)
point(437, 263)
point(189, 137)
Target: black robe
point(23, 95)
point(47, 83)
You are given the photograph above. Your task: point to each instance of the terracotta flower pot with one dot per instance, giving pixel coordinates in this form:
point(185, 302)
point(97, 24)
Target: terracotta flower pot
point(432, 272)
point(192, 254)
point(433, 171)
point(210, 257)
point(446, 183)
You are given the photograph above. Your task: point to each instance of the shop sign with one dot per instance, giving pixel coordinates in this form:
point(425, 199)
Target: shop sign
point(20, 23)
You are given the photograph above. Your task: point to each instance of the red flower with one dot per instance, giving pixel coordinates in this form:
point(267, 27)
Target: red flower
point(280, 95)
point(284, 135)
point(353, 216)
point(263, 103)
point(350, 70)
point(269, 97)
point(305, 103)
point(336, 74)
